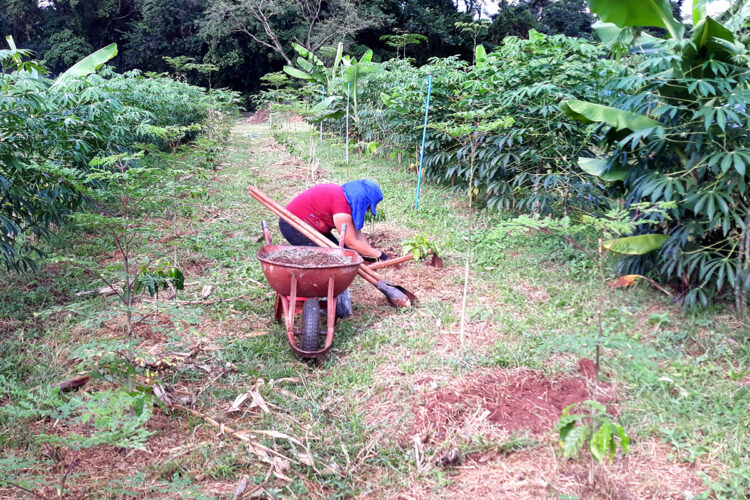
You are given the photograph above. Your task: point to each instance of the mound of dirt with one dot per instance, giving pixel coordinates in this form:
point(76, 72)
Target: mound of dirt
point(308, 257)
point(260, 116)
point(513, 401)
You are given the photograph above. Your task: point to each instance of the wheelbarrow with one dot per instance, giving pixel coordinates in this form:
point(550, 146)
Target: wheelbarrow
point(300, 286)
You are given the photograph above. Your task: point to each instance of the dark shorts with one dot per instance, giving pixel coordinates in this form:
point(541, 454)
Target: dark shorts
point(294, 237)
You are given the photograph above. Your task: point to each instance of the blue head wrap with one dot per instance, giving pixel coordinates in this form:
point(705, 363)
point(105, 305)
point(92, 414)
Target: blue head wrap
point(361, 195)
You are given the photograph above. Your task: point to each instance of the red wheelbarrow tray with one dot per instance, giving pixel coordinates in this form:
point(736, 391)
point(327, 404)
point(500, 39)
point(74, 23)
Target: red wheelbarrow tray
point(297, 282)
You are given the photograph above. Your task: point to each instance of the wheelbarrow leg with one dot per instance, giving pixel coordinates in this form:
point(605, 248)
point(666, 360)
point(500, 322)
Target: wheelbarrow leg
point(289, 309)
point(330, 316)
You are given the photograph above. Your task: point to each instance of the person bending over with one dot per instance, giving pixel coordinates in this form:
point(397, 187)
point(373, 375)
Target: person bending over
point(326, 207)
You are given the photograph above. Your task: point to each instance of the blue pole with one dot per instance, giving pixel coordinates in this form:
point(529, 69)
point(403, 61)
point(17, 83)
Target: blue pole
point(322, 98)
point(348, 91)
point(424, 136)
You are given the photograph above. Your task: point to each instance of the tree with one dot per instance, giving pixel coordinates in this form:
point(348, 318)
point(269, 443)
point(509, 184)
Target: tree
point(67, 49)
point(512, 20)
point(567, 17)
point(164, 28)
point(399, 42)
point(272, 23)
point(474, 30)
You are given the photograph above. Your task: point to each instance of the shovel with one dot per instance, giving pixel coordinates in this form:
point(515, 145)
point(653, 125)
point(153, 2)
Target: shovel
point(397, 296)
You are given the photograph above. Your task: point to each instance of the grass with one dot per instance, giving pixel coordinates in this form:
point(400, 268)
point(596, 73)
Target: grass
point(681, 378)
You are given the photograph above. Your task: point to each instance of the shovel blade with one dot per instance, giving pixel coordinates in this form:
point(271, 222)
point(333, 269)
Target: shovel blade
point(412, 298)
point(397, 296)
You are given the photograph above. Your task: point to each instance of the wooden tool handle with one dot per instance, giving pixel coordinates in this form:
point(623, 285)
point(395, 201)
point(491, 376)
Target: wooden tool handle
point(391, 262)
point(306, 230)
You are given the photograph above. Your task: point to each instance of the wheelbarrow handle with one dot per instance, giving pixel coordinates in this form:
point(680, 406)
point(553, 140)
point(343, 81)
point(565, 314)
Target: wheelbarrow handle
point(266, 233)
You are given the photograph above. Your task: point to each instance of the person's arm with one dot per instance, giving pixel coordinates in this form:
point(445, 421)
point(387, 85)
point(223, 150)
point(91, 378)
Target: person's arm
point(354, 238)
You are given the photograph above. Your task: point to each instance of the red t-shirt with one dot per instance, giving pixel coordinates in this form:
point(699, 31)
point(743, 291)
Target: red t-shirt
point(317, 205)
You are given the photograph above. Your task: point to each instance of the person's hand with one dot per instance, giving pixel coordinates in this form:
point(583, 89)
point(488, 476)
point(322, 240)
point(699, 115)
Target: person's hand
point(382, 256)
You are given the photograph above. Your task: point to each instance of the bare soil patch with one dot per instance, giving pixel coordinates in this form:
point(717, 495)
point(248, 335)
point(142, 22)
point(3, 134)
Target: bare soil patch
point(260, 116)
point(194, 266)
point(518, 400)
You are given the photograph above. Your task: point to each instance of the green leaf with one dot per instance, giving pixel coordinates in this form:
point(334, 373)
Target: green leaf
point(339, 54)
point(480, 55)
point(721, 119)
point(624, 440)
point(325, 103)
point(178, 279)
point(597, 167)
point(601, 441)
point(699, 11)
point(366, 57)
point(301, 50)
point(306, 66)
point(711, 42)
point(574, 441)
point(636, 245)
point(707, 31)
point(535, 36)
point(726, 162)
point(620, 119)
point(294, 72)
point(636, 13)
point(567, 423)
point(88, 64)
point(614, 37)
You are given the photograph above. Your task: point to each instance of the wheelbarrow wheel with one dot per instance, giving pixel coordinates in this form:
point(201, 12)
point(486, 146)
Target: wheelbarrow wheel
point(310, 325)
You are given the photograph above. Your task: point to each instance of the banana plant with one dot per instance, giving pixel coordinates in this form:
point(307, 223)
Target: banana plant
point(14, 58)
point(620, 27)
point(356, 72)
point(676, 132)
point(87, 65)
point(625, 13)
point(311, 68)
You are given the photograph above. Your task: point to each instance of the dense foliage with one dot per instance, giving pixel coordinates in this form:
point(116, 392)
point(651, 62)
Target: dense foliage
point(693, 152)
point(50, 131)
point(656, 120)
point(531, 165)
point(234, 34)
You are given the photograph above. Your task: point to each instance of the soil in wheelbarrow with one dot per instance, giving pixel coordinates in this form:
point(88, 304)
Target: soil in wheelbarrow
point(301, 256)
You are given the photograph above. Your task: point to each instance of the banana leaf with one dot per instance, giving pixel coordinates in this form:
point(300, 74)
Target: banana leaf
point(626, 13)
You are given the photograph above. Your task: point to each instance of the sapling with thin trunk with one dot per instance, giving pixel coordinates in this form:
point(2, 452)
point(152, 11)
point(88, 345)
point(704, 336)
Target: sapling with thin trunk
point(469, 129)
point(126, 190)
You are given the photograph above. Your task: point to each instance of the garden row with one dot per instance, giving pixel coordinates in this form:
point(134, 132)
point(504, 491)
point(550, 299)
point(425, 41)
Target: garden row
point(59, 138)
point(560, 126)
